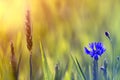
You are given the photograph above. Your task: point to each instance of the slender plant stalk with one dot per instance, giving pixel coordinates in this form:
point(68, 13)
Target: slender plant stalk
point(15, 66)
point(95, 69)
point(13, 61)
point(30, 66)
point(104, 69)
point(29, 39)
point(113, 54)
point(105, 74)
point(18, 66)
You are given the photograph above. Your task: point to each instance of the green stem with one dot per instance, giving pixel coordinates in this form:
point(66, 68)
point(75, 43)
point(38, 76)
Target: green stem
point(105, 70)
point(18, 66)
point(112, 59)
point(95, 69)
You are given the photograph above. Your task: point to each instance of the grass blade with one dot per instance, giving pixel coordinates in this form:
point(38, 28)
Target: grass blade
point(74, 62)
point(80, 69)
point(46, 70)
point(18, 66)
point(58, 72)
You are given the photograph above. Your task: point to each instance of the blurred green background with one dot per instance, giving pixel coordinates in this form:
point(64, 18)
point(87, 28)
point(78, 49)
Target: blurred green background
point(63, 26)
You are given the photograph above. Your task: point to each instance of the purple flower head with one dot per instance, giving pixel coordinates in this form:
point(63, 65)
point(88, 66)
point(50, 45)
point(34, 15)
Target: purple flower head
point(95, 50)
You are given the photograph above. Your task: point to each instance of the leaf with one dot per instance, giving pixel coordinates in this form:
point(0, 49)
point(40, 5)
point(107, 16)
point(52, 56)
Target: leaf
point(46, 70)
point(79, 69)
point(60, 71)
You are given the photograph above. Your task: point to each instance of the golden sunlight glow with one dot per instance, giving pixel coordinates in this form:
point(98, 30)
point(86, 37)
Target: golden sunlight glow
point(58, 31)
point(11, 14)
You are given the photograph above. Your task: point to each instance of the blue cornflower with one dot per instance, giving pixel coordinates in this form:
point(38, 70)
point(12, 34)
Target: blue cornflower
point(96, 50)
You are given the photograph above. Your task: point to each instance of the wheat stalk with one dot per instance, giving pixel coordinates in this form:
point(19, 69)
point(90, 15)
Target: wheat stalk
point(29, 39)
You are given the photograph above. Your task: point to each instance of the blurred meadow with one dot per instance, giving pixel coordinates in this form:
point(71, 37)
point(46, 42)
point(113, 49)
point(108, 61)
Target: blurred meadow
point(60, 28)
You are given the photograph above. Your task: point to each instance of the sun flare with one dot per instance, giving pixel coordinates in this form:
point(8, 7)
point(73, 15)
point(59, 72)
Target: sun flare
point(11, 14)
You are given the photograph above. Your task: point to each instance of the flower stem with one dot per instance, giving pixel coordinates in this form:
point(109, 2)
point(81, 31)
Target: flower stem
point(105, 70)
point(95, 69)
point(105, 74)
point(113, 55)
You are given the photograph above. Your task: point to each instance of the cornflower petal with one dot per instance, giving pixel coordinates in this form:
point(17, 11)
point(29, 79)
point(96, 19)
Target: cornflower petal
point(86, 51)
point(96, 50)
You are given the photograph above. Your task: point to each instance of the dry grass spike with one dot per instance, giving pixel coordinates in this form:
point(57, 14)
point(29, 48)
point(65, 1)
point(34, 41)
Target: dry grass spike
point(28, 31)
point(13, 61)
